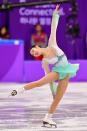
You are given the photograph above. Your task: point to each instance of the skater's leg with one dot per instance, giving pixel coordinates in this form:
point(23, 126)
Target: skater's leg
point(59, 94)
point(52, 76)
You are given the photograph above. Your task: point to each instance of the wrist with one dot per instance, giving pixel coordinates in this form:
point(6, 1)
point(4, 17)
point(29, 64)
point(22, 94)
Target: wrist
point(55, 13)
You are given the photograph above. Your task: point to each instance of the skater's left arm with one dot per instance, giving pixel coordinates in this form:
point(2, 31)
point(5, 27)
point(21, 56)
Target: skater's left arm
point(54, 24)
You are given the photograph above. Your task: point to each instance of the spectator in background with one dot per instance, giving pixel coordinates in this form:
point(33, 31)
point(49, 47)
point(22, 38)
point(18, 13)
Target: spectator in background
point(39, 38)
point(4, 33)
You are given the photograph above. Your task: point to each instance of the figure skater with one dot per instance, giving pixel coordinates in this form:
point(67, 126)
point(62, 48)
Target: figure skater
point(62, 70)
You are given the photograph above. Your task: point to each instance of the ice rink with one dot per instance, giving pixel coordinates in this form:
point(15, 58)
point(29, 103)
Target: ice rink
point(25, 112)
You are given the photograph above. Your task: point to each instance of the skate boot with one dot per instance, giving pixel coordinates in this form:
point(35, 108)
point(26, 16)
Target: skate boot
point(13, 93)
point(19, 90)
point(49, 123)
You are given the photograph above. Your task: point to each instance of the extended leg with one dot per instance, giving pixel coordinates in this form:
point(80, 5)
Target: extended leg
point(52, 76)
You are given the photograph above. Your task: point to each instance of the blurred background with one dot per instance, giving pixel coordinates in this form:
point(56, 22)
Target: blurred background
point(23, 27)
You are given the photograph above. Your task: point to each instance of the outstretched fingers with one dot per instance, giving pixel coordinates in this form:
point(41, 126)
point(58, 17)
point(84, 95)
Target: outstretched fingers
point(57, 8)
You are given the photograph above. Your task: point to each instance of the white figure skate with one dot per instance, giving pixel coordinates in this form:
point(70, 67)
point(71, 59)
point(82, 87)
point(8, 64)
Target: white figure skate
point(49, 123)
point(19, 90)
point(14, 93)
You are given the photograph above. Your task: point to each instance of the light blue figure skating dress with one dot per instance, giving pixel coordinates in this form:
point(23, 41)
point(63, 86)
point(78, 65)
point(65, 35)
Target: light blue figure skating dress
point(60, 62)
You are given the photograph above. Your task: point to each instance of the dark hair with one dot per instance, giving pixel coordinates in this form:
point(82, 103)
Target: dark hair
point(37, 25)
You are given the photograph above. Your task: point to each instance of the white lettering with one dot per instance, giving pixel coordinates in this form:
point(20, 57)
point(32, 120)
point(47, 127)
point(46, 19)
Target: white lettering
point(35, 12)
point(31, 21)
point(34, 20)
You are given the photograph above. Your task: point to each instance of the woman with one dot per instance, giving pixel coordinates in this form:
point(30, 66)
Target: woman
point(4, 33)
point(39, 38)
point(62, 70)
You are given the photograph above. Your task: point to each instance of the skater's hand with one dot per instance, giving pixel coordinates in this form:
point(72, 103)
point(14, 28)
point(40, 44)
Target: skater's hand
point(57, 9)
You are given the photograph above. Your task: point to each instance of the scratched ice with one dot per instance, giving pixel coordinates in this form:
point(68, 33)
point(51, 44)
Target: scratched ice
point(25, 112)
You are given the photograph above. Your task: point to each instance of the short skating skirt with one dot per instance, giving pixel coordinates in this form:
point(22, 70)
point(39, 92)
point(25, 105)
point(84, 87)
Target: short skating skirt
point(63, 68)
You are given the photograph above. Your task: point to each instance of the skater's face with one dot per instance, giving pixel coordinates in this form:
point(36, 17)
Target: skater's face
point(36, 51)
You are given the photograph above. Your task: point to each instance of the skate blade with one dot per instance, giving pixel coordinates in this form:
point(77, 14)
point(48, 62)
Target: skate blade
point(49, 126)
point(12, 94)
point(9, 96)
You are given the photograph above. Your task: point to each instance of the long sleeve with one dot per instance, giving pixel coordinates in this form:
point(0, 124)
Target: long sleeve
point(54, 24)
point(46, 68)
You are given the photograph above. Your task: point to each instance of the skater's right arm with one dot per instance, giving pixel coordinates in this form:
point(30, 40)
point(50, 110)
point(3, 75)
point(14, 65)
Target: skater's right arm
point(45, 66)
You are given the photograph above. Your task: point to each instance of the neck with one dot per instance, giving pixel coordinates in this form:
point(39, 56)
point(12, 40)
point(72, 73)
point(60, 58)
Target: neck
point(43, 50)
point(38, 33)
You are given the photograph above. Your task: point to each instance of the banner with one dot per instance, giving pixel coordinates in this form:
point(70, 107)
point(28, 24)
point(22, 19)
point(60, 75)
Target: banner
point(22, 21)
